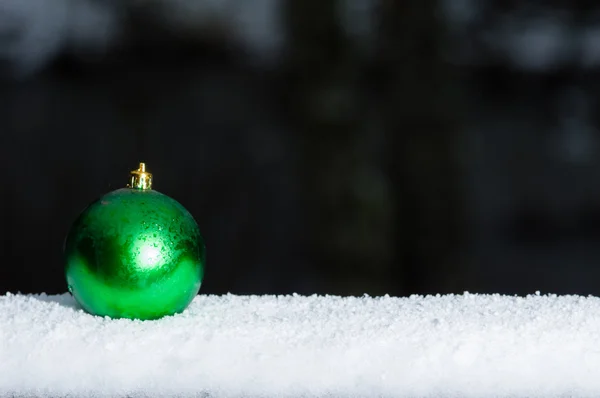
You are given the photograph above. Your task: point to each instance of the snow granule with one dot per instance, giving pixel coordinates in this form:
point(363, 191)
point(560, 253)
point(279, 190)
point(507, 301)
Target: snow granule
point(296, 346)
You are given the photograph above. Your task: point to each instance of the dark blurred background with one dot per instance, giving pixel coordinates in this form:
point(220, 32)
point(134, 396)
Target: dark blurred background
point(323, 146)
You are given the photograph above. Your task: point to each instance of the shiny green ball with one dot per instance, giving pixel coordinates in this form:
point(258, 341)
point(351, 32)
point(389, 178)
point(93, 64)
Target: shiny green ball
point(134, 254)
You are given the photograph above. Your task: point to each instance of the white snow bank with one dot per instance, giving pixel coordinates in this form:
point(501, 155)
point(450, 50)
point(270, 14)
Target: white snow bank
point(34, 32)
point(233, 346)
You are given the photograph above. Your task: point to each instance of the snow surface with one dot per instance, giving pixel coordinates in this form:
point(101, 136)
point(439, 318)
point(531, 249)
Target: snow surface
point(284, 346)
point(34, 32)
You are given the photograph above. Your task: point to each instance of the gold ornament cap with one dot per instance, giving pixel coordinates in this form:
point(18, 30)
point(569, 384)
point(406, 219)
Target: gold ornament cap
point(140, 178)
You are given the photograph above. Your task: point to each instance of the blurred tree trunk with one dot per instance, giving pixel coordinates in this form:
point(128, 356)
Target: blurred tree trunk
point(419, 109)
point(340, 164)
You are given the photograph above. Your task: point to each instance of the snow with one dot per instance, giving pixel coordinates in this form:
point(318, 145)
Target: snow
point(257, 25)
point(34, 32)
point(536, 44)
point(230, 346)
point(590, 54)
point(31, 33)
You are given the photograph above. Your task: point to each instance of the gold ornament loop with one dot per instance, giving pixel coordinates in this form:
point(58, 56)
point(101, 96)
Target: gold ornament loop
point(140, 178)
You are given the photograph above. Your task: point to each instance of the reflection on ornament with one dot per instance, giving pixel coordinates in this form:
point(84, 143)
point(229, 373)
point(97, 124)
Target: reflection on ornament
point(134, 253)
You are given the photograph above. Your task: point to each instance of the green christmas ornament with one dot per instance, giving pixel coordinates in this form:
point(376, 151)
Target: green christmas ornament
point(134, 253)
